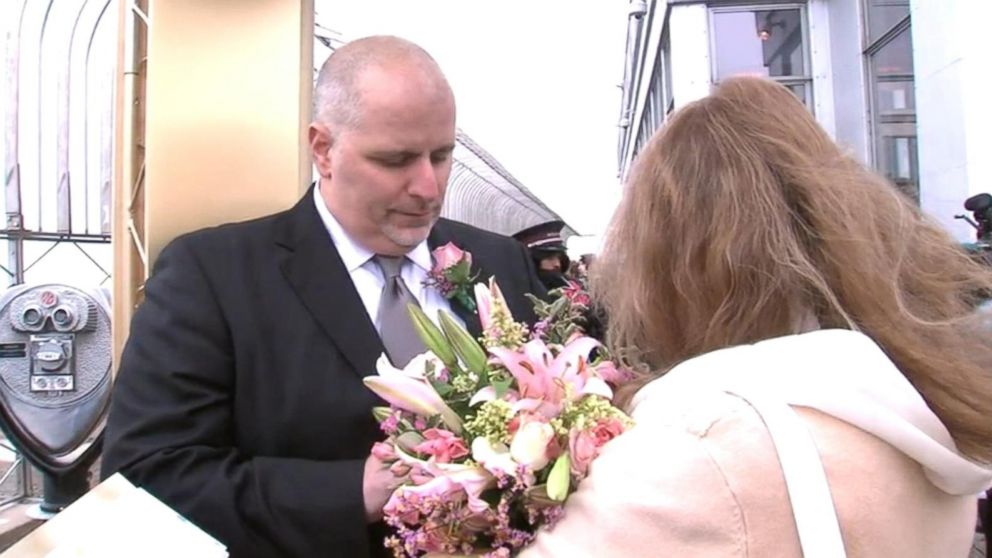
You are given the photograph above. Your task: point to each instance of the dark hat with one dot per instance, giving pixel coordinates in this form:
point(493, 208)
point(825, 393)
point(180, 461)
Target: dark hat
point(545, 237)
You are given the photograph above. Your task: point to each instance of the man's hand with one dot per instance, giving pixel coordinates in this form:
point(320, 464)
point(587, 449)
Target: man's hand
point(378, 484)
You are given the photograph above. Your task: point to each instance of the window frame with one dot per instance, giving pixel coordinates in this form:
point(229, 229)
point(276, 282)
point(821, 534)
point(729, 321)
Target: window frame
point(666, 77)
point(806, 78)
point(875, 118)
point(658, 104)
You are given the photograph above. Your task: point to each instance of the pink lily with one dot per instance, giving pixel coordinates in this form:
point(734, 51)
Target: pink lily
point(445, 478)
point(487, 393)
point(489, 299)
point(472, 480)
point(542, 376)
point(611, 373)
point(409, 389)
point(484, 302)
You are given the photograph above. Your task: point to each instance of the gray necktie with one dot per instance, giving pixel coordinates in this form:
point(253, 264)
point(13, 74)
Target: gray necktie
point(395, 325)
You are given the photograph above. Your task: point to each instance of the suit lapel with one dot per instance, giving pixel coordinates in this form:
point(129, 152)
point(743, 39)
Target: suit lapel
point(441, 235)
point(316, 273)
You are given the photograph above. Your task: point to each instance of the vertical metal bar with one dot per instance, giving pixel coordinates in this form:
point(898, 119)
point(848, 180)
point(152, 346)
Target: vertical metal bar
point(106, 140)
point(26, 480)
point(41, 74)
point(63, 194)
point(12, 174)
point(106, 165)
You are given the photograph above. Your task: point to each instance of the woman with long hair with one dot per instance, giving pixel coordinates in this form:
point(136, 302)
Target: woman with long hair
point(819, 383)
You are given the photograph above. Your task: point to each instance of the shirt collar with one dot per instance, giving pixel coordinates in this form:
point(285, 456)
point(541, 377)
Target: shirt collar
point(353, 254)
point(421, 256)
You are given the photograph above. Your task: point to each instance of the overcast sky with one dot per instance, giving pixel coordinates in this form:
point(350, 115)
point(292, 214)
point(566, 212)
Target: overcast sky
point(536, 82)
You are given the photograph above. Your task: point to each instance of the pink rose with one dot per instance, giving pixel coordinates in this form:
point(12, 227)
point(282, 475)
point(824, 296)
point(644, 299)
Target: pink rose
point(384, 452)
point(607, 429)
point(576, 295)
point(449, 255)
point(585, 445)
point(399, 469)
point(444, 446)
point(582, 450)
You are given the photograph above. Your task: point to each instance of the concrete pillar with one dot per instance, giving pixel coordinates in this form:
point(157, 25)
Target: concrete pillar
point(821, 64)
point(847, 79)
point(690, 40)
point(951, 59)
point(228, 101)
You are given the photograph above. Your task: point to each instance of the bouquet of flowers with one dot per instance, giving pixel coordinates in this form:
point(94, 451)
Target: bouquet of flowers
point(493, 434)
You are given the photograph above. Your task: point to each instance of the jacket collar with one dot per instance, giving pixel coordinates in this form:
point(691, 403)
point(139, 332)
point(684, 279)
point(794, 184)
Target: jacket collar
point(315, 271)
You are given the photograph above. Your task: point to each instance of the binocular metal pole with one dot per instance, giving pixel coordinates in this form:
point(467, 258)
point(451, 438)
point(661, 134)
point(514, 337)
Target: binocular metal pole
point(59, 491)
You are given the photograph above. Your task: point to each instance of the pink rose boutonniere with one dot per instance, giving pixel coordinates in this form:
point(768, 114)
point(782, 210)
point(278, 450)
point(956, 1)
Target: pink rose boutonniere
point(452, 275)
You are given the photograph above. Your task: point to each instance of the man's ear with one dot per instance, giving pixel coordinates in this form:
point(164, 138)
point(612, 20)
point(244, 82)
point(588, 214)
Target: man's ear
point(321, 141)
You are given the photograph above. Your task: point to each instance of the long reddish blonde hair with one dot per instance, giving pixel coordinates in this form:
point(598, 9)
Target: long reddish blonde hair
point(742, 219)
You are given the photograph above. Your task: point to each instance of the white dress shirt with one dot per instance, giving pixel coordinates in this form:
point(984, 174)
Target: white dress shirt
point(367, 276)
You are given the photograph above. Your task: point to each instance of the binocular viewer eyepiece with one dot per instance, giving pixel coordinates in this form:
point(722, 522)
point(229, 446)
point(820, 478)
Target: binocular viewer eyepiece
point(55, 381)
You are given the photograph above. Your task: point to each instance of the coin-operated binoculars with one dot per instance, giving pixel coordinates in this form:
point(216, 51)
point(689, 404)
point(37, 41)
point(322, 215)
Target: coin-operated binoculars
point(55, 380)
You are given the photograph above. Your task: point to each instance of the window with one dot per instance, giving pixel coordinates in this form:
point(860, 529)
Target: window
point(889, 60)
point(884, 15)
point(769, 41)
point(666, 76)
point(655, 105)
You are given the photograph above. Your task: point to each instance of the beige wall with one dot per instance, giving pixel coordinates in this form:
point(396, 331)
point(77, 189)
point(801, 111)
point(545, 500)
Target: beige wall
point(213, 105)
point(228, 97)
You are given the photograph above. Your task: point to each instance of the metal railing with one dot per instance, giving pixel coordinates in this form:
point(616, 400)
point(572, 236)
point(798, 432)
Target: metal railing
point(57, 153)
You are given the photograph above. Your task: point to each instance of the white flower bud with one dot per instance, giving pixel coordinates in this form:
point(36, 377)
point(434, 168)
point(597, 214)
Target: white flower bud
point(530, 445)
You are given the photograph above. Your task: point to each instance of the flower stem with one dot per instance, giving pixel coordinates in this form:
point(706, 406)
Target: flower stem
point(465, 300)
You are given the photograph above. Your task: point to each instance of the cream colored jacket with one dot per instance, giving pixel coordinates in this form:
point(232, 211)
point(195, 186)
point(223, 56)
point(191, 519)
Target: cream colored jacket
point(699, 475)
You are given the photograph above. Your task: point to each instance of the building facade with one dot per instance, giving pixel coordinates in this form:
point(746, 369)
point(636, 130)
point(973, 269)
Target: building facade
point(901, 84)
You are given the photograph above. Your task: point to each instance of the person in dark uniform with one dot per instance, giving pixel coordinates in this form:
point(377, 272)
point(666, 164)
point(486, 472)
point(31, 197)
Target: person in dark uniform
point(547, 249)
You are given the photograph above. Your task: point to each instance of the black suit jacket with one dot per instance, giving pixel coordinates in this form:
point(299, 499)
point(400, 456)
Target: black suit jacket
point(239, 400)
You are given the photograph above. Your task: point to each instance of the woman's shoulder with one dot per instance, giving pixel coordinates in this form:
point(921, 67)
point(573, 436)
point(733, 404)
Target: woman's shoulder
point(832, 358)
point(658, 480)
point(694, 411)
point(708, 440)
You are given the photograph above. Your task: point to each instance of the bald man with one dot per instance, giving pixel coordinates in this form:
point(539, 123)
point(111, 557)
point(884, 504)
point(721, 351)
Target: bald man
point(239, 400)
